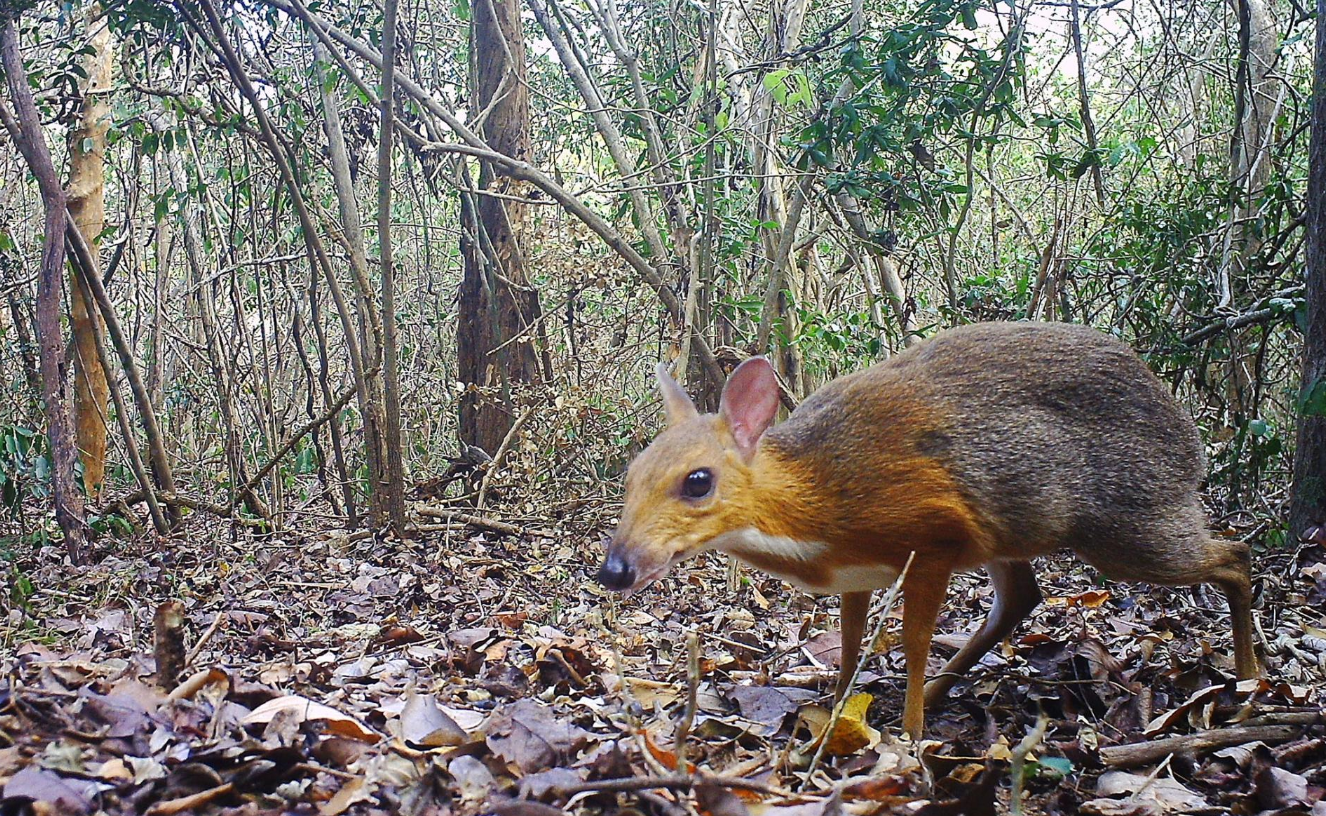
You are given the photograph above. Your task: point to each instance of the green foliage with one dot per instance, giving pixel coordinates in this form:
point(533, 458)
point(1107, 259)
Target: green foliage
point(25, 468)
point(1312, 399)
point(112, 524)
point(911, 85)
point(21, 588)
point(1049, 769)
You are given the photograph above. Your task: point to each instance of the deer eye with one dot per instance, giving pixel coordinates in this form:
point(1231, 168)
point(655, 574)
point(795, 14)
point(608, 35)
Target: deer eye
point(698, 484)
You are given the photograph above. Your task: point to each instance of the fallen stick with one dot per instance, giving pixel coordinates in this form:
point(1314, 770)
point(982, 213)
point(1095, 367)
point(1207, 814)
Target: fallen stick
point(202, 641)
point(191, 802)
point(482, 522)
point(1144, 753)
point(676, 782)
point(1292, 717)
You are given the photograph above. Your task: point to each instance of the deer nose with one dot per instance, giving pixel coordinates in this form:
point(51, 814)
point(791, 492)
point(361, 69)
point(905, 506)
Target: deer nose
point(615, 572)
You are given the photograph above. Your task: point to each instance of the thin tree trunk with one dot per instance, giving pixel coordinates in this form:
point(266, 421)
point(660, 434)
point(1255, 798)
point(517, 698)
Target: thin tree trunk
point(81, 277)
point(500, 327)
point(394, 488)
point(26, 346)
point(313, 246)
point(1256, 98)
point(324, 386)
point(370, 328)
point(88, 275)
point(1307, 506)
point(710, 228)
point(87, 208)
point(1084, 105)
point(162, 249)
point(25, 127)
point(194, 257)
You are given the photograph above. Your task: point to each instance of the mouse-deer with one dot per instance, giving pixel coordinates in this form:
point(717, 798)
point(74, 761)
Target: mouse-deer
point(986, 445)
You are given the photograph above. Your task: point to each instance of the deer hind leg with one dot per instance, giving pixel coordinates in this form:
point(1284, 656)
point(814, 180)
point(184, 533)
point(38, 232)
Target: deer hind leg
point(1174, 557)
point(1229, 566)
point(1016, 595)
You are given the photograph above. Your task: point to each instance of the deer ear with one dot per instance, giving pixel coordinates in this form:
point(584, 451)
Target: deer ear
point(749, 402)
point(676, 402)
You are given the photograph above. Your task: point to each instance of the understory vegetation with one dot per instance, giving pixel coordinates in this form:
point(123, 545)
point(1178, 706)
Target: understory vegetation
point(346, 334)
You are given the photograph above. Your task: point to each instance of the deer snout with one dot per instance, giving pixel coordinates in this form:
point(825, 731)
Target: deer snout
point(616, 572)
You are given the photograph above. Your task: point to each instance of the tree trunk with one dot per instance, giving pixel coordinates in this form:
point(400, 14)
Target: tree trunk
point(1307, 506)
point(370, 328)
point(1261, 97)
point(25, 128)
point(88, 279)
point(1084, 103)
point(393, 490)
point(86, 197)
point(498, 339)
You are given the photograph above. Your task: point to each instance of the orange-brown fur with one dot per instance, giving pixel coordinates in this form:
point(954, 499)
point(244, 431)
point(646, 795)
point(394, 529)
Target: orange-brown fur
point(987, 445)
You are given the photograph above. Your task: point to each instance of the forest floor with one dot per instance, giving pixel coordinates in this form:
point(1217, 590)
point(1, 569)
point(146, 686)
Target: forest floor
point(475, 671)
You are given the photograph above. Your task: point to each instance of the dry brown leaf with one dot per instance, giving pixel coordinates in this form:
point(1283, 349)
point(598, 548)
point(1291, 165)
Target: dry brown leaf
point(716, 800)
point(875, 788)
point(649, 692)
point(351, 793)
point(423, 724)
point(1165, 721)
point(1167, 794)
point(41, 785)
point(305, 710)
point(666, 758)
point(196, 682)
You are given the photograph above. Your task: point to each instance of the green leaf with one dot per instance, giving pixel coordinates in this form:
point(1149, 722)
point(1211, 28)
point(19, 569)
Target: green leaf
point(773, 83)
point(306, 462)
point(1055, 767)
point(1312, 400)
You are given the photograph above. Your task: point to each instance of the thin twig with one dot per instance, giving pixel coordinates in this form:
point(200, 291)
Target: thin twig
point(500, 454)
point(1018, 760)
point(680, 782)
point(482, 522)
point(692, 695)
point(889, 600)
point(206, 637)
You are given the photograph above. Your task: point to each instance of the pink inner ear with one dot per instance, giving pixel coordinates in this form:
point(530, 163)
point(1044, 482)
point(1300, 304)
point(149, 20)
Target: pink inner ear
point(749, 402)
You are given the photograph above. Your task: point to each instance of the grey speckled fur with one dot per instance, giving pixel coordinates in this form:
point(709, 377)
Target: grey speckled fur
point(1058, 433)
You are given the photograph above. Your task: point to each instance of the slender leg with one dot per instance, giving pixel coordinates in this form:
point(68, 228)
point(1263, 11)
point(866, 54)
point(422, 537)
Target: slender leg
point(923, 594)
point(1234, 577)
point(1015, 596)
point(855, 609)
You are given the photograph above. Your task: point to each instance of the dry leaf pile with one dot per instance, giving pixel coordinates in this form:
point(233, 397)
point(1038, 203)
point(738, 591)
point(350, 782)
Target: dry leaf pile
point(483, 672)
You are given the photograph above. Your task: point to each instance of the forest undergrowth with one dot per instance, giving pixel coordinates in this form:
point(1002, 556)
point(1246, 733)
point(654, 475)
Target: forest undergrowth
point(477, 668)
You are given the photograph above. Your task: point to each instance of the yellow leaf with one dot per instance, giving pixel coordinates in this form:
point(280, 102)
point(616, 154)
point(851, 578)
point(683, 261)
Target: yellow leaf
point(851, 734)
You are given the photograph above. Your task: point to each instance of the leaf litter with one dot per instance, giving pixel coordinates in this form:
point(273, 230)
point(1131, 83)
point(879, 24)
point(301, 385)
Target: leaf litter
point(483, 673)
